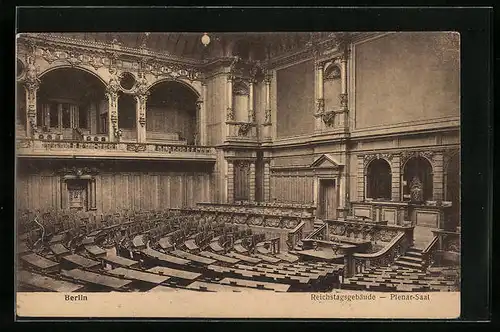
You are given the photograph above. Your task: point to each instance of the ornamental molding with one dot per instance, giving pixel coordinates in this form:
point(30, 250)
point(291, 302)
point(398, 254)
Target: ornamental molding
point(367, 159)
point(98, 54)
point(78, 171)
point(135, 147)
point(407, 155)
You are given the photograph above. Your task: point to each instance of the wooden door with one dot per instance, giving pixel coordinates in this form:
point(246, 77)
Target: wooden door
point(328, 199)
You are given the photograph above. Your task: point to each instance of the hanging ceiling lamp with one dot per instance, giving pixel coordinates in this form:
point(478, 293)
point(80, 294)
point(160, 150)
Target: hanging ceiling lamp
point(205, 39)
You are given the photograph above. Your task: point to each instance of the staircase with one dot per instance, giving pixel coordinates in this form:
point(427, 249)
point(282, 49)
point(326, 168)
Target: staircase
point(412, 259)
point(317, 224)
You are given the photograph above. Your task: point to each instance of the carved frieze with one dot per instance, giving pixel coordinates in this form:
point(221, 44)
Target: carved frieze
point(367, 159)
point(406, 155)
point(136, 147)
point(244, 129)
point(77, 171)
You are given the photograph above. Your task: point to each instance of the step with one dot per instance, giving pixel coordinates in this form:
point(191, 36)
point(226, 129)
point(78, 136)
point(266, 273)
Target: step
point(408, 264)
point(414, 254)
point(411, 258)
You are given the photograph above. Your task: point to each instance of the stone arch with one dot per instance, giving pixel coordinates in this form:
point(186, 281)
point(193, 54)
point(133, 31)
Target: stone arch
point(77, 67)
point(416, 155)
point(176, 80)
point(378, 185)
point(425, 176)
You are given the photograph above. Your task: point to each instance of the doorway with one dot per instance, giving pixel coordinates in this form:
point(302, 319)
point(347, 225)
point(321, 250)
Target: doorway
point(328, 199)
point(77, 195)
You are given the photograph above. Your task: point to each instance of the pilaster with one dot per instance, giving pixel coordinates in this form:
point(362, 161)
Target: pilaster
point(230, 181)
point(361, 178)
point(252, 181)
point(396, 177)
point(438, 176)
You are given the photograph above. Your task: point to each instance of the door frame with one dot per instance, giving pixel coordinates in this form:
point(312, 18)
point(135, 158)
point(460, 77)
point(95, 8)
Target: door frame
point(321, 197)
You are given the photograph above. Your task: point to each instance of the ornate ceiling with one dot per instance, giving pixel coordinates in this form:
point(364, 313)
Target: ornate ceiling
point(259, 46)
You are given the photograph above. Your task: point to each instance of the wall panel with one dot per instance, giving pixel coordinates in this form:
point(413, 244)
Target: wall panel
point(404, 77)
point(293, 187)
point(295, 100)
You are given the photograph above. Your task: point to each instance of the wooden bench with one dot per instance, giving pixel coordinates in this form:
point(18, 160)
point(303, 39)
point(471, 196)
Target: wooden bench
point(117, 261)
point(211, 287)
point(287, 257)
point(80, 261)
point(193, 258)
point(255, 284)
point(220, 258)
point(137, 275)
point(244, 258)
point(44, 283)
point(174, 273)
point(59, 250)
point(95, 250)
point(164, 258)
point(161, 288)
point(268, 259)
point(96, 279)
point(40, 263)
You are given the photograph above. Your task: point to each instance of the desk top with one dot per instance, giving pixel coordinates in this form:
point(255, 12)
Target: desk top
point(220, 258)
point(95, 250)
point(39, 261)
point(181, 274)
point(80, 260)
point(139, 275)
point(96, 278)
point(255, 284)
point(47, 283)
point(59, 249)
point(120, 260)
point(244, 258)
point(164, 257)
point(210, 287)
point(194, 258)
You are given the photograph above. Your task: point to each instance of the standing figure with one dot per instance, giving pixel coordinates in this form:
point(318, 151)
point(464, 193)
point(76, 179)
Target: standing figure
point(416, 190)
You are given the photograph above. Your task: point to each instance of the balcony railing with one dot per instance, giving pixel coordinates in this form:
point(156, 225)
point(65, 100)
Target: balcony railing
point(114, 150)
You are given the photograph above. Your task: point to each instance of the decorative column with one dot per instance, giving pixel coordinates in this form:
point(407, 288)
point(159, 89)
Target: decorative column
point(396, 177)
point(266, 186)
point(267, 111)
point(230, 181)
point(251, 111)
point(437, 176)
point(141, 98)
point(229, 102)
point(112, 96)
point(252, 181)
point(320, 101)
point(140, 107)
point(31, 84)
point(343, 86)
point(202, 110)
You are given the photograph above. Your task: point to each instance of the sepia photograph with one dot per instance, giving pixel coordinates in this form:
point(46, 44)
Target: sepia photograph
point(249, 165)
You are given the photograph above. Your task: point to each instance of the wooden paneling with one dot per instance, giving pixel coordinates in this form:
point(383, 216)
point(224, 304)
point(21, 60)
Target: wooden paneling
point(292, 187)
point(171, 120)
point(119, 191)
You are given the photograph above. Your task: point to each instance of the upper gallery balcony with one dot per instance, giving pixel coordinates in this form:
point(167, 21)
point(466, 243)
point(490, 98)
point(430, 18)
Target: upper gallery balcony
point(53, 147)
point(72, 114)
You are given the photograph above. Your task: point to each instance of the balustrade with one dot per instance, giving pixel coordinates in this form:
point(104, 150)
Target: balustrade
point(49, 144)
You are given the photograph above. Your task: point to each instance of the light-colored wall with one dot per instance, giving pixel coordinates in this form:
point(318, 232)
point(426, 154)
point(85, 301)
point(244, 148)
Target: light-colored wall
point(295, 99)
point(405, 77)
